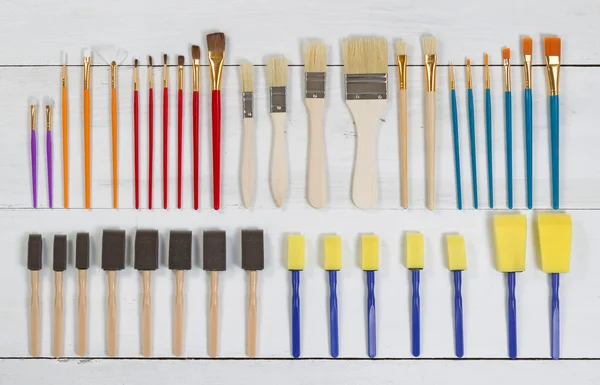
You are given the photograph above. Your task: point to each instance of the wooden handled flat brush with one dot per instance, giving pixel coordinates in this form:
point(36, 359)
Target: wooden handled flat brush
point(113, 260)
point(248, 147)
point(146, 260)
point(402, 59)
point(253, 261)
point(552, 53)
point(214, 258)
point(82, 263)
point(180, 260)
point(216, 55)
point(65, 130)
point(365, 69)
point(196, 121)
point(59, 265)
point(34, 264)
point(150, 130)
point(87, 126)
point(430, 61)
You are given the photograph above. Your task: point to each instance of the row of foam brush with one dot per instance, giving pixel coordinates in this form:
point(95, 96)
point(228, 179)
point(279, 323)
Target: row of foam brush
point(366, 74)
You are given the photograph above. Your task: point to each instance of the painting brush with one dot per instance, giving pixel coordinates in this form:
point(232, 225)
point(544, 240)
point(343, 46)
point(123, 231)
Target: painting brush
point(216, 56)
point(488, 129)
point(333, 264)
point(365, 70)
point(180, 62)
point(214, 256)
point(315, 67)
point(430, 62)
point(33, 148)
point(59, 265)
point(65, 130)
point(49, 107)
point(87, 125)
point(552, 53)
point(455, 138)
point(555, 234)
point(82, 263)
point(253, 260)
point(150, 130)
point(296, 265)
point(180, 260)
point(277, 71)
point(196, 120)
point(146, 260)
point(527, 45)
point(136, 134)
point(165, 154)
point(248, 147)
point(34, 264)
point(415, 262)
point(472, 141)
point(114, 56)
point(508, 124)
point(510, 236)
point(457, 262)
point(113, 260)
point(402, 59)
point(370, 264)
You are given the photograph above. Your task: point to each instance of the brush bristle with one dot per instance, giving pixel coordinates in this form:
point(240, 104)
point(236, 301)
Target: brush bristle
point(216, 42)
point(149, 61)
point(135, 63)
point(48, 101)
point(505, 53)
point(366, 55)
point(165, 59)
point(87, 52)
point(180, 60)
point(486, 59)
point(315, 56)
point(429, 45)
point(196, 52)
point(527, 44)
point(247, 71)
point(400, 47)
point(63, 57)
point(277, 69)
point(32, 101)
point(111, 53)
point(552, 46)
point(468, 62)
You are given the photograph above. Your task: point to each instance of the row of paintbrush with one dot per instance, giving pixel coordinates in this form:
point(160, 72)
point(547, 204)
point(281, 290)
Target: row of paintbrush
point(510, 235)
point(366, 71)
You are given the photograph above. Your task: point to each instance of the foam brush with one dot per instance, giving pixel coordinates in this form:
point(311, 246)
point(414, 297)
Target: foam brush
point(180, 63)
point(82, 263)
point(146, 260)
point(455, 138)
point(370, 264)
point(34, 264)
point(113, 260)
point(59, 265)
point(87, 126)
point(430, 63)
point(33, 148)
point(415, 262)
point(555, 235)
point(136, 134)
point(488, 129)
point(457, 263)
point(333, 264)
point(196, 122)
point(216, 56)
point(527, 45)
point(248, 147)
point(365, 69)
point(472, 140)
point(402, 60)
point(180, 260)
point(315, 66)
point(49, 109)
point(295, 266)
point(552, 52)
point(165, 116)
point(65, 130)
point(508, 124)
point(214, 259)
point(510, 238)
point(253, 261)
point(150, 130)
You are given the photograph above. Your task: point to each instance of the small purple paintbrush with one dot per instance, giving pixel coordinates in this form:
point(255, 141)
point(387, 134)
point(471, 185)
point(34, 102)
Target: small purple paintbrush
point(49, 106)
point(33, 124)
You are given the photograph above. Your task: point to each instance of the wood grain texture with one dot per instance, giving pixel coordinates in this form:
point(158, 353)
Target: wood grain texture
point(57, 339)
point(403, 110)
point(430, 107)
point(252, 331)
point(34, 314)
point(146, 313)
point(247, 172)
point(213, 315)
point(278, 175)
point(178, 314)
point(111, 315)
point(316, 183)
point(82, 312)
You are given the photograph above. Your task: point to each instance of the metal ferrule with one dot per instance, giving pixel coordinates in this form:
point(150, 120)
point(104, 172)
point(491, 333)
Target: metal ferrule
point(64, 76)
point(553, 72)
point(215, 60)
point(430, 66)
point(32, 116)
point(87, 62)
point(48, 118)
point(165, 76)
point(506, 65)
point(452, 81)
point(135, 78)
point(180, 77)
point(248, 104)
point(527, 71)
point(469, 77)
point(113, 75)
point(366, 86)
point(150, 76)
point(278, 101)
point(196, 75)
point(486, 77)
point(315, 85)
point(402, 66)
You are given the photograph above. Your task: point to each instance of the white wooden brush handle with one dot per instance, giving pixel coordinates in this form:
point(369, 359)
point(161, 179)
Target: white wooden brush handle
point(34, 322)
point(57, 347)
point(146, 314)
point(279, 161)
point(248, 156)
point(316, 184)
point(430, 143)
point(366, 114)
point(403, 149)
point(82, 313)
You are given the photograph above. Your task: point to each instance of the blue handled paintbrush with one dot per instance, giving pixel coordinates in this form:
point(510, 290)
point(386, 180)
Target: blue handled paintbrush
point(527, 44)
point(552, 50)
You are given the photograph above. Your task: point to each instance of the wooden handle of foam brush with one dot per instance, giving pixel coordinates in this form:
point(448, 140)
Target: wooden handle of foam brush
point(57, 347)
point(213, 314)
point(111, 342)
point(178, 315)
point(146, 314)
point(35, 314)
point(82, 313)
point(252, 313)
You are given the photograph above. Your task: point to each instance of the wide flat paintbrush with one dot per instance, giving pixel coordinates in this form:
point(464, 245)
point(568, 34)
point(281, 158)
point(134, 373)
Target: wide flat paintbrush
point(49, 108)
point(315, 66)
point(82, 263)
point(196, 121)
point(180, 260)
point(248, 148)
point(216, 54)
point(527, 45)
point(488, 129)
point(457, 262)
point(552, 53)
point(365, 69)
point(472, 140)
point(402, 59)
point(146, 260)
point(277, 71)
point(65, 130)
point(214, 257)
point(455, 138)
point(136, 135)
point(180, 62)
point(33, 148)
point(430, 61)
point(415, 262)
point(113, 260)
point(370, 264)
point(253, 261)
point(165, 153)
point(150, 130)
point(508, 124)
point(87, 126)
point(333, 264)
point(59, 265)
point(295, 266)
point(34, 264)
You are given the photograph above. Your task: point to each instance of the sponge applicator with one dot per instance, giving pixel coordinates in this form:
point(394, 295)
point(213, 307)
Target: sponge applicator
point(415, 261)
point(214, 252)
point(34, 264)
point(555, 234)
point(333, 263)
point(457, 262)
point(253, 260)
point(295, 265)
point(370, 264)
point(113, 260)
point(146, 260)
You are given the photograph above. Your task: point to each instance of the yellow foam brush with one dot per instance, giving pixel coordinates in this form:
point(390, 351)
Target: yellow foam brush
point(555, 232)
point(415, 261)
point(370, 264)
point(457, 262)
point(295, 265)
point(333, 263)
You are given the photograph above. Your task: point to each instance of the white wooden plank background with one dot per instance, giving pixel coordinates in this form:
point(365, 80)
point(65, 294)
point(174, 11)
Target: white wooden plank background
point(33, 34)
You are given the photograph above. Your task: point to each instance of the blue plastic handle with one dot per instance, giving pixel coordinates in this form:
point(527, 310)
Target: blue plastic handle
point(508, 121)
point(473, 146)
point(555, 344)
point(529, 145)
point(416, 313)
point(333, 315)
point(371, 315)
point(554, 148)
point(489, 137)
point(456, 150)
point(295, 313)
point(512, 316)
point(458, 315)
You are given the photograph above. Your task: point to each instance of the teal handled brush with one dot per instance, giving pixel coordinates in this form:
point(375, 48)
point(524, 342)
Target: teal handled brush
point(527, 44)
point(552, 48)
point(488, 129)
point(472, 143)
point(455, 138)
point(508, 125)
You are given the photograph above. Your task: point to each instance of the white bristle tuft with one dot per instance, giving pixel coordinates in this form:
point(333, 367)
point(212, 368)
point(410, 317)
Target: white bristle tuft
point(429, 43)
point(247, 71)
point(87, 52)
point(400, 47)
point(48, 101)
point(365, 55)
point(63, 57)
point(277, 71)
point(111, 53)
point(32, 101)
point(315, 56)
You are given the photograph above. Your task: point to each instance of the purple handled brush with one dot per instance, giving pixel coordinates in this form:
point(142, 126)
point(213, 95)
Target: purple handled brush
point(32, 120)
point(49, 105)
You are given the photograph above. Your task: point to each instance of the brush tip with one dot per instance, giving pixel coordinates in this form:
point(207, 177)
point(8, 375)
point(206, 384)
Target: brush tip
point(429, 45)
point(400, 47)
point(87, 52)
point(165, 58)
point(527, 44)
point(135, 62)
point(277, 70)
point(180, 60)
point(196, 52)
point(247, 71)
point(468, 62)
point(365, 55)
point(486, 59)
point(32, 101)
point(315, 56)
point(216, 42)
point(63, 57)
point(48, 101)
point(149, 61)
point(505, 53)
point(552, 46)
